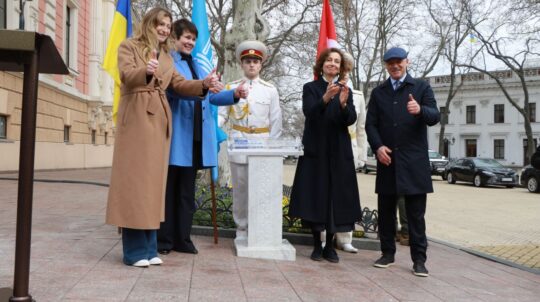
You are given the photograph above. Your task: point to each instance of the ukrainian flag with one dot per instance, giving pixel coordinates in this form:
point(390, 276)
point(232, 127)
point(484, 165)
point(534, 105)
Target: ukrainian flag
point(121, 29)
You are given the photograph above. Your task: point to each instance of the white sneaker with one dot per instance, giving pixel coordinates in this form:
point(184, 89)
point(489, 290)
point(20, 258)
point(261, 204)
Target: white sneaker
point(155, 261)
point(347, 247)
point(141, 263)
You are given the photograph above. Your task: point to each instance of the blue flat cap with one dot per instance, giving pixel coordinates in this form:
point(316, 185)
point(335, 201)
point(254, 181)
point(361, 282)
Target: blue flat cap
point(395, 53)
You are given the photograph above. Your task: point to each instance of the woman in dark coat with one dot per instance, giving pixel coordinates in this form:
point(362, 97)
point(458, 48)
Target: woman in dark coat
point(325, 191)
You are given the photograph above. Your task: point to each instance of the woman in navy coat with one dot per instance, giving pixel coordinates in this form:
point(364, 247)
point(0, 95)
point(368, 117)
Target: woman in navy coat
point(193, 144)
point(325, 191)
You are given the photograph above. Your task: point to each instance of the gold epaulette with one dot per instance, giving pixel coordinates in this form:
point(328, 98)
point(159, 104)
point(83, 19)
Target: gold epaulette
point(228, 86)
point(265, 83)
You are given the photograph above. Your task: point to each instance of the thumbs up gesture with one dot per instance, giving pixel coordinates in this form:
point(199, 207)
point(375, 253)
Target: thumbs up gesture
point(153, 63)
point(412, 106)
point(212, 82)
point(241, 92)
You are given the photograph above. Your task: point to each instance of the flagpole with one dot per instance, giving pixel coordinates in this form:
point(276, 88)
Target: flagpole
point(214, 222)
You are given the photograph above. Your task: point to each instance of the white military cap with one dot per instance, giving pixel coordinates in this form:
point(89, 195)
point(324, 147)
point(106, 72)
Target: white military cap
point(251, 48)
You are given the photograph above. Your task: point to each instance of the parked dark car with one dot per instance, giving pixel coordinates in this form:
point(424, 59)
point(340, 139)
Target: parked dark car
point(530, 178)
point(481, 172)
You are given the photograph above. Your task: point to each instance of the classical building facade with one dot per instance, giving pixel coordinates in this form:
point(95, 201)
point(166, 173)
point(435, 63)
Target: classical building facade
point(74, 125)
point(482, 122)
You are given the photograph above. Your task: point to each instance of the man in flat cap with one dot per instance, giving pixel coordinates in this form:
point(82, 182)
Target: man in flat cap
point(258, 116)
point(399, 112)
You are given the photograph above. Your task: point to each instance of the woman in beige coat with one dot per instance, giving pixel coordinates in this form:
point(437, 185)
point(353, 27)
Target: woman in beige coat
point(143, 133)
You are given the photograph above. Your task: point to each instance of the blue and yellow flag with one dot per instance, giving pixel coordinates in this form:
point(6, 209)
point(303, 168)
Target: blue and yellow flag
point(203, 53)
point(121, 29)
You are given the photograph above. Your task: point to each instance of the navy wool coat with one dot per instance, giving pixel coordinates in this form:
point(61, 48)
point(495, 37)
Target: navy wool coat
point(325, 174)
point(389, 123)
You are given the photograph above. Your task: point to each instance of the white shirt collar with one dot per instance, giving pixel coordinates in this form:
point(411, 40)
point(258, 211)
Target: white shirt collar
point(333, 80)
point(254, 81)
point(401, 80)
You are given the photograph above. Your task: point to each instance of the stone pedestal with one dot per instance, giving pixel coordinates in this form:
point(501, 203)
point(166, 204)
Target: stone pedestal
point(265, 195)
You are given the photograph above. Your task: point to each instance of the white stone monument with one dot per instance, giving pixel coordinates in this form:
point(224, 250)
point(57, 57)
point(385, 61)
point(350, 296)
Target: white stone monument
point(265, 195)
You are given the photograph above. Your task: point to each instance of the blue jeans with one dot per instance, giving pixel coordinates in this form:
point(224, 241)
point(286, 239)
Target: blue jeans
point(138, 245)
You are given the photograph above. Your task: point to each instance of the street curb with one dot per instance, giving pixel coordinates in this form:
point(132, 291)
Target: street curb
point(486, 256)
point(293, 238)
point(83, 182)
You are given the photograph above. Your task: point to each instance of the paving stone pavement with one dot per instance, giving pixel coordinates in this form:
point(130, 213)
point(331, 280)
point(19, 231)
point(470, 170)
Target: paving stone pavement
point(526, 255)
point(497, 221)
point(76, 257)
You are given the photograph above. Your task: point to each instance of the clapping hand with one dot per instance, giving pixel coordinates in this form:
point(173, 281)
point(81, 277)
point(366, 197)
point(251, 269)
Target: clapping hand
point(241, 92)
point(344, 95)
point(331, 91)
point(412, 106)
point(153, 63)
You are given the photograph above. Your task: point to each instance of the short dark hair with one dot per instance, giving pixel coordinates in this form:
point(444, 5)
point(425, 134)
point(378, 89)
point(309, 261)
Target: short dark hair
point(182, 25)
point(318, 68)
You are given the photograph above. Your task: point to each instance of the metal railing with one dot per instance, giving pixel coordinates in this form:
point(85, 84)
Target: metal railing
point(224, 218)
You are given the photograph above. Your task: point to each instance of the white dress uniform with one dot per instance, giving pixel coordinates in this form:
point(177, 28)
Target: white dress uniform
point(258, 116)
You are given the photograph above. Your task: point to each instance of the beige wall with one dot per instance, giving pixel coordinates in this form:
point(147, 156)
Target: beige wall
point(56, 109)
point(58, 156)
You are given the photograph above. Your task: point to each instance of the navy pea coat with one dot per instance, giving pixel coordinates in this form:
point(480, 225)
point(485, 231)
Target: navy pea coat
point(325, 174)
point(389, 123)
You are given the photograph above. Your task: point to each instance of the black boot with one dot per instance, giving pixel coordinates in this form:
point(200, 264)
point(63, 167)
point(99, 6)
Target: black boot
point(317, 247)
point(329, 252)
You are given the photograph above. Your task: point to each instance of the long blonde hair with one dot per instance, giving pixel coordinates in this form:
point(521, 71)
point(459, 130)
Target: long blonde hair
point(147, 34)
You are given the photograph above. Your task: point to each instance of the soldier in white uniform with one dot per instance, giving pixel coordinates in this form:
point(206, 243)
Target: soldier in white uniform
point(258, 116)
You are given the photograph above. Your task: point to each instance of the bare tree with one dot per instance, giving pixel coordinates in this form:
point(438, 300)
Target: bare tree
point(451, 27)
point(507, 38)
point(366, 28)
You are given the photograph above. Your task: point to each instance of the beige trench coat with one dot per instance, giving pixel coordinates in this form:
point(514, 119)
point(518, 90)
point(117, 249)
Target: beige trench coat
point(142, 139)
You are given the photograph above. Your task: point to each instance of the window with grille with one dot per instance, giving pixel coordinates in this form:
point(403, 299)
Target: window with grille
point(444, 116)
point(3, 16)
point(66, 134)
point(93, 137)
point(3, 127)
point(471, 115)
point(532, 112)
point(498, 113)
point(498, 149)
point(68, 36)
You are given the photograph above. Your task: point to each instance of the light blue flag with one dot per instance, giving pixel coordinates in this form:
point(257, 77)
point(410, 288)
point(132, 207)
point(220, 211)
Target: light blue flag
point(203, 53)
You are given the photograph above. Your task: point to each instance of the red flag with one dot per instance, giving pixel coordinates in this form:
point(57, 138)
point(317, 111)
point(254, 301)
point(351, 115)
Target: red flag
point(327, 33)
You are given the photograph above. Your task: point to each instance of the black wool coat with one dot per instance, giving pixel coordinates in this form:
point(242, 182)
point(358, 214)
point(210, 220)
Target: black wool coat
point(389, 123)
point(325, 174)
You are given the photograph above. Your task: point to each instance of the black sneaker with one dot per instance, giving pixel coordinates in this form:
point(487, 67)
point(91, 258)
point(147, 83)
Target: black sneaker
point(420, 270)
point(329, 253)
point(384, 262)
point(317, 253)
